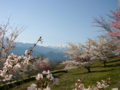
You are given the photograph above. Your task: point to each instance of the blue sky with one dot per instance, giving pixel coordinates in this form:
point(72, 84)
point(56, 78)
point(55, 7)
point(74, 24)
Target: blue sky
point(57, 21)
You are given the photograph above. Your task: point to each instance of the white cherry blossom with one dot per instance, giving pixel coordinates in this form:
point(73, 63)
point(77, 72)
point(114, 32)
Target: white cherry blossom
point(39, 77)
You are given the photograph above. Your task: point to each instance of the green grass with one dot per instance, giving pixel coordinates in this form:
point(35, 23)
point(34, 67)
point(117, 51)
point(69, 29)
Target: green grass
point(98, 71)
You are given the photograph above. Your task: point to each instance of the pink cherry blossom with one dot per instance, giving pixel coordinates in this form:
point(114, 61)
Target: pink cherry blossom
point(115, 24)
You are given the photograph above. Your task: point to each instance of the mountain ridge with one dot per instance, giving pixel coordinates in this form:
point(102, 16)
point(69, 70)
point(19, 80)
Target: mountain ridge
point(51, 53)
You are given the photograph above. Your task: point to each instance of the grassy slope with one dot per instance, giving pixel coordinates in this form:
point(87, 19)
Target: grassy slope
point(67, 80)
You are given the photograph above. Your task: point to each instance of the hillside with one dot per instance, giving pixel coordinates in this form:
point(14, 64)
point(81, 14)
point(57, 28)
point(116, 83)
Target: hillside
point(67, 80)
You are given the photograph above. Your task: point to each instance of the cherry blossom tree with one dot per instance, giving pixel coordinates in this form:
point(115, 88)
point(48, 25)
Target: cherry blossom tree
point(115, 24)
point(73, 52)
point(82, 59)
point(103, 49)
point(104, 24)
point(10, 40)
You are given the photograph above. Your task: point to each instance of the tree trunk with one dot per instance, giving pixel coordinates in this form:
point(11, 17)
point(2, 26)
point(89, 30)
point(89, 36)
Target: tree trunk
point(104, 63)
point(88, 68)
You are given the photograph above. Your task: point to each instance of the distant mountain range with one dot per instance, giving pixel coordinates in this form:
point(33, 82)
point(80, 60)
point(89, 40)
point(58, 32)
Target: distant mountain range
point(53, 52)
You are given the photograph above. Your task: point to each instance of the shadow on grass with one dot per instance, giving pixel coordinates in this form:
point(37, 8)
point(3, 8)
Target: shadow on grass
point(97, 66)
point(93, 72)
point(116, 65)
point(117, 60)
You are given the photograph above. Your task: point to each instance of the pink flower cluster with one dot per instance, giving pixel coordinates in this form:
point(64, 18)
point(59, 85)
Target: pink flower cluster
point(115, 24)
point(44, 66)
